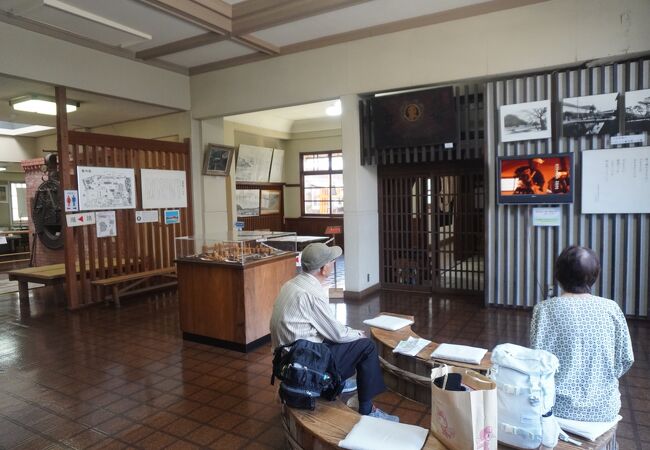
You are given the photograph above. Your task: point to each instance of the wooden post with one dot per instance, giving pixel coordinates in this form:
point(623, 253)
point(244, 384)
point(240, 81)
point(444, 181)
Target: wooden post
point(65, 167)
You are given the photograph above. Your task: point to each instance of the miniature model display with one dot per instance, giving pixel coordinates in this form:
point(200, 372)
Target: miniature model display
point(234, 252)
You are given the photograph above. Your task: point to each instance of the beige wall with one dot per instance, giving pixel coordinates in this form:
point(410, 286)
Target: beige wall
point(16, 149)
point(557, 32)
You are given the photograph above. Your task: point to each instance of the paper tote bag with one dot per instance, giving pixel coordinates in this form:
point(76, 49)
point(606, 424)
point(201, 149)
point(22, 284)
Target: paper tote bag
point(464, 420)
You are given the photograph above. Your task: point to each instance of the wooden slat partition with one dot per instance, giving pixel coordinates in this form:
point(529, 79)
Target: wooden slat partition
point(137, 247)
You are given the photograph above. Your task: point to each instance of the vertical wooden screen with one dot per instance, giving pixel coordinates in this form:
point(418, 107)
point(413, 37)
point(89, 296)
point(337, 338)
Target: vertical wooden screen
point(137, 247)
point(432, 227)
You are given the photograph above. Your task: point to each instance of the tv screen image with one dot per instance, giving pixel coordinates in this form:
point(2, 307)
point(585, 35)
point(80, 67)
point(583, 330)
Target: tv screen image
point(535, 179)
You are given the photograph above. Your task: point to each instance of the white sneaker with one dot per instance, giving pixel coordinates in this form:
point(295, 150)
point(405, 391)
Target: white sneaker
point(350, 386)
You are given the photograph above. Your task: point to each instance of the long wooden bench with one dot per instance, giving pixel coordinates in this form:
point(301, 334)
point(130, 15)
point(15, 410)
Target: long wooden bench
point(411, 376)
point(130, 281)
point(53, 274)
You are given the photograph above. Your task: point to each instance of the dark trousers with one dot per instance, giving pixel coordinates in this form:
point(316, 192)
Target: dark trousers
point(360, 356)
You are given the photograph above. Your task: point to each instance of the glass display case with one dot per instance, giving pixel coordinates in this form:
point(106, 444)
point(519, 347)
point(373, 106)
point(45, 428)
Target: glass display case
point(235, 247)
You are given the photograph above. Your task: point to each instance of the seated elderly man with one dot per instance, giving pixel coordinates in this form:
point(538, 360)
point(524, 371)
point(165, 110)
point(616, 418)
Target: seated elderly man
point(302, 311)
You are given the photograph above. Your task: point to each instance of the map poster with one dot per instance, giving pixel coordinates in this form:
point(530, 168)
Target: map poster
point(106, 224)
point(105, 188)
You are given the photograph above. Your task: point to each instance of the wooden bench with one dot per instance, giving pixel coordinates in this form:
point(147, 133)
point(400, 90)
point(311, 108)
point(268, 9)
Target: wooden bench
point(53, 274)
point(411, 376)
point(130, 281)
point(328, 424)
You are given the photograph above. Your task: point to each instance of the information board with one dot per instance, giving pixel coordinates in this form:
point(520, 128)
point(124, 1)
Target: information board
point(163, 188)
point(616, 181)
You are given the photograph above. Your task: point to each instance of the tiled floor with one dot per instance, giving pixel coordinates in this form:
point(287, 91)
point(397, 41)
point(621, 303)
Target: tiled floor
point(106, 378)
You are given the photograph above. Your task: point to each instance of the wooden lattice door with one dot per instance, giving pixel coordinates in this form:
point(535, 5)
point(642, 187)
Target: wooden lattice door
point(432, 227)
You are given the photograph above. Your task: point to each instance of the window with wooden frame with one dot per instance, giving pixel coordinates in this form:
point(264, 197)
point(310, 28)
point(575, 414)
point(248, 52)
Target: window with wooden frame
point(321, 183)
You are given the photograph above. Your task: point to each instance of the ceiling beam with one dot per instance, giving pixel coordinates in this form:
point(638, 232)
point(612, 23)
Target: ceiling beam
point(194, 12)
point(377, 30)
point(181, 45)
point(263, 14)
point(219, 6)
point(251, 41)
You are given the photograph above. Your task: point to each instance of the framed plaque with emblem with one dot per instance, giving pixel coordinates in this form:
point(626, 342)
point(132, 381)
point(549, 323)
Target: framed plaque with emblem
point(415, 118)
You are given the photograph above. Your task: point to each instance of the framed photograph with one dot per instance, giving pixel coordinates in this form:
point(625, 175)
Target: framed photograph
point(637, 111)
point(270, 202)
point(217, 160)
point(4, 195)
point(594, 115)
point(248, 202)
point(525, 121)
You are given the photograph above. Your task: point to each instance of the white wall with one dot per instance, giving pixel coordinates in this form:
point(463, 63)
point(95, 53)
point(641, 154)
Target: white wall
point(34, 56)
point(527, 38)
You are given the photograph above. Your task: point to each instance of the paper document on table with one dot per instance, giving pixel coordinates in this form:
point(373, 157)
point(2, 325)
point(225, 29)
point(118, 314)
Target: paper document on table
point(589, 430)
point(462, 353)
point(412, 346)
point(371, 433)
point(390, 323)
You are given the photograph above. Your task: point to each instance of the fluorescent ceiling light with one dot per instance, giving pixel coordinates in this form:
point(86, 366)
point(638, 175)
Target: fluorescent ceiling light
point(16, 129)
point(40, 105)
point(334, 110)
point(2, 169)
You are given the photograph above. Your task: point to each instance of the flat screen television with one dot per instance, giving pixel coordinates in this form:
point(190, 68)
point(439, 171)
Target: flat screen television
point(535, 179)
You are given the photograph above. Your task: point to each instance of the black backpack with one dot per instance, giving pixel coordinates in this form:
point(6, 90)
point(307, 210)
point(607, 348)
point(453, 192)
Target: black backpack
point(307, 371)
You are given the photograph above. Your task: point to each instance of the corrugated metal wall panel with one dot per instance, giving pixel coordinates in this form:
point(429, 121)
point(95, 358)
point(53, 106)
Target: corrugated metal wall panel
point(520, 257)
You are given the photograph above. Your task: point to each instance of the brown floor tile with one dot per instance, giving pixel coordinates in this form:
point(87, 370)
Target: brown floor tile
point(181, 427)
point(158, 439)
point(35, 443)
point(85, 439)
point(134, 433)
point(227, 421)
point(229, 441)
point(250, 428)
point(182, 445)
point(204, 435)
point(114, 425)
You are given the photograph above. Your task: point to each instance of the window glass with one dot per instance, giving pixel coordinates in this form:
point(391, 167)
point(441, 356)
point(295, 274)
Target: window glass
point(322, 183)
point(337, 161)
point(18, 202)
point(315, 162)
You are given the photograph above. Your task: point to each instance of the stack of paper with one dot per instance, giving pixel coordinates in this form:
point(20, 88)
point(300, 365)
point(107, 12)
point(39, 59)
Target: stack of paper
point(462, 353)
point(412, 346)
point(390, 323)
point(371, 433)
point(589, 430)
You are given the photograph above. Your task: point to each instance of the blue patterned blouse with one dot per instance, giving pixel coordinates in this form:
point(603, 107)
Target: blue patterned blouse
point(589, 336)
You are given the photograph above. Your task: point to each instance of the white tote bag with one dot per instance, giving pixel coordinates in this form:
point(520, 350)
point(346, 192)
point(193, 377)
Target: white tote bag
point(464, 420)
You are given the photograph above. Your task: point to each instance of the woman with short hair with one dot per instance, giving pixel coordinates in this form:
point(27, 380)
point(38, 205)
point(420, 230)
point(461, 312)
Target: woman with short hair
point(589, 336)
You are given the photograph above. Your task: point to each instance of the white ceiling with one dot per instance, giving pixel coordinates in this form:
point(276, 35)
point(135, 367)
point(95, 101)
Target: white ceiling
point(275, 26)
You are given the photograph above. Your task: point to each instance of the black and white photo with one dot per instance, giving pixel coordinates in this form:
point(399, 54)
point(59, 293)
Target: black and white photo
point(525, 121)
point(270, 202)
point(637, 111)
point(593, 115)
point(253, 164)
point(217, 160)
point(248, 202)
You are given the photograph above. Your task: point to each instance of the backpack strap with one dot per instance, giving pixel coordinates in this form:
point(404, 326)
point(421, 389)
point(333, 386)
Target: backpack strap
point(511, 429)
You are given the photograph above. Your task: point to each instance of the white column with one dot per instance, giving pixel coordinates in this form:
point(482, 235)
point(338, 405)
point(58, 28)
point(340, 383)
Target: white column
point(360, 219)
point(215, 189)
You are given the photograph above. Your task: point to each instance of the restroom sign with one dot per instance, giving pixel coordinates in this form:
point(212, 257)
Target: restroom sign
point(71, 201)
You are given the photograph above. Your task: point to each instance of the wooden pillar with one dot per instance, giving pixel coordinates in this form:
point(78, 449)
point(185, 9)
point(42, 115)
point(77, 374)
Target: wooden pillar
point(65, 168)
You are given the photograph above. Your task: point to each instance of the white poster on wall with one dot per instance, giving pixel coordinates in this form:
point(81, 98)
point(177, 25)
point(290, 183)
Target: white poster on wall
point(147, 216)
point(105, 188)
point(163, 188)
point(616, 181)
point(106, 224)
point(253, 164)
point(277, 166)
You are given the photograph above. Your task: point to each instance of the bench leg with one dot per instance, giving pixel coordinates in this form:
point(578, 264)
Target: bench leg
point(116, 296)
point(23, 291)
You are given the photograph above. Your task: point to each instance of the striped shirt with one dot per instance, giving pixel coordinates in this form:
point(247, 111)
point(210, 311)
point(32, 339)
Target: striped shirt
point(302, 311)
point(589, 336)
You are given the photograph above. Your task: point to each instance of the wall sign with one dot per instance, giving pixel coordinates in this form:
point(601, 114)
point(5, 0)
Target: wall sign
point(80, 219)
point(547, 217)
point(172, 216)
point(146, 216)
point(71, 200)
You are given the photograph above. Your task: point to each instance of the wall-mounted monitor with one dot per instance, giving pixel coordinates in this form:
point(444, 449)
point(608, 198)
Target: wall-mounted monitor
point(535, 179)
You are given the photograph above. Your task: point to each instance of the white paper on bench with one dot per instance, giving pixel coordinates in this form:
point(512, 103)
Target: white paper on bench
point(371, 433)
point(390, 323)
point(411, 347)
point(589, 430)
point(462, 353)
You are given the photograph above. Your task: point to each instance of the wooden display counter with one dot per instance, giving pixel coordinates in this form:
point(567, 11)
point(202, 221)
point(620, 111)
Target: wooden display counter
point(230, 305)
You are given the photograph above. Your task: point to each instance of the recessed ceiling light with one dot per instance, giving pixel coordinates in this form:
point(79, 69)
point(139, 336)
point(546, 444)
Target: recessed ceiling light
point(334, 110)
point(16, 129)
point(2, 169)
point(40, 104)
